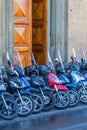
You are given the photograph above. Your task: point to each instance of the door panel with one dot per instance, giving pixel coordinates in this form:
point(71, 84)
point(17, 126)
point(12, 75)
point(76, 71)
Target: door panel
point(26, 36)
point(39, 30)
point(23, 29)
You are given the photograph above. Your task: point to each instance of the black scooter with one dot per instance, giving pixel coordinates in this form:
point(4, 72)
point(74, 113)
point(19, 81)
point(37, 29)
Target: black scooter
point(37, 82)
point(8, 106)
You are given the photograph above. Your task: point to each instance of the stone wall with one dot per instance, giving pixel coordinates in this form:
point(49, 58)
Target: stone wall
point(77, 26)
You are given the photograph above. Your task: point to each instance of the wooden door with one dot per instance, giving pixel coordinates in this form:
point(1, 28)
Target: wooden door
point(39, 30)
point(23, 29)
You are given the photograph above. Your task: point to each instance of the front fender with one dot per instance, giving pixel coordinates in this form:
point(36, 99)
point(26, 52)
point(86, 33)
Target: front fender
point(7, 95)
point(22, 92)
point(61, 87)
point(71, 86)
point(46, 88)
point(31, 89)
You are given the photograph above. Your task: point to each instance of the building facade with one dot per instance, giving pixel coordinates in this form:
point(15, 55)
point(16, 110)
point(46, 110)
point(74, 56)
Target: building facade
point(77, 26)
point(42, 26)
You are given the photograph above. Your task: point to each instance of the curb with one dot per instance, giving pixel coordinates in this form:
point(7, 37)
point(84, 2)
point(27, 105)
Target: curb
point(51, 112)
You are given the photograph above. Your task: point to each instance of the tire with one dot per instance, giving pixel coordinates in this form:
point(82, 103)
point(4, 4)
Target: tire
point(27, 108)
point(49, 101)
point(38, 103)
point(12, 110)
point(74, 98)
point(62, 99)
point(83, 95)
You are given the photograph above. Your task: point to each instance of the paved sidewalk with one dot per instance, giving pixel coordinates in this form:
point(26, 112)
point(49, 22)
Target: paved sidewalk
point(51, 112)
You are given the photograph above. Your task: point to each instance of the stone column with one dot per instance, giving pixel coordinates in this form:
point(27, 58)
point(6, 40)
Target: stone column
point(0, 33)
point(59, 28)
point(6, 29)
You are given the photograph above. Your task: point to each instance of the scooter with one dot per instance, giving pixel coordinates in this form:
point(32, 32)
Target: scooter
point(8, 106)
point(74, 97)
point(16, 88)
point(60, 92)
point(76, 79)
point(38, 100)
point(37, 82)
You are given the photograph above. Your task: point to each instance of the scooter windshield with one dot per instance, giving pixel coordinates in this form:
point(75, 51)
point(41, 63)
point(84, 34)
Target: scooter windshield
point(17, 59)
point(18, 64)
point(82, 53)
point(60, 60)
point(50, 63)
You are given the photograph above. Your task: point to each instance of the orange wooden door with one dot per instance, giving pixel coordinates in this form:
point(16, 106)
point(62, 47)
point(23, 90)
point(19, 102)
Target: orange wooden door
point(39, 30)
point(23, 29)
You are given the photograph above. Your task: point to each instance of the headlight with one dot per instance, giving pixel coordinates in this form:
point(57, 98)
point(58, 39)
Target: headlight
point(2, 87)
point(80, 84)
point(55, 79)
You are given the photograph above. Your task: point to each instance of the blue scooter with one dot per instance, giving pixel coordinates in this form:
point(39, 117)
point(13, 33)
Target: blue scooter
point(26, 88)
point(74, 96)
point(73, 79)
point(45, 100)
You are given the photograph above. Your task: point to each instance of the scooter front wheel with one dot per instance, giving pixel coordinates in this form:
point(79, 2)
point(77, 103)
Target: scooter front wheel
point(11, 111)
point(26, 107)
point(62, 99)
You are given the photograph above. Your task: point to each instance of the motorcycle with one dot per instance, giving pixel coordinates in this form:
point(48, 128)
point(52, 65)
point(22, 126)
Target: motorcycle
point(60, 93)
point(37, 82)
point(16, 88)
point(8, 106)
point(38, 100)
point(74, 96)
point(76, 80)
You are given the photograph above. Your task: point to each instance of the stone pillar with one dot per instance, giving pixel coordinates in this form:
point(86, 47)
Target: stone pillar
point(6, 29)
point(48, 24)
point(0, 33)
point(59, 28)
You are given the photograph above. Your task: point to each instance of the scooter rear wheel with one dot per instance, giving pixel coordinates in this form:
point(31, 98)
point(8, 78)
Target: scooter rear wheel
point(74, 98)
point(10, 112)
point(49, 101)
point(38, 102)
point(62, 99)
point(83, 95)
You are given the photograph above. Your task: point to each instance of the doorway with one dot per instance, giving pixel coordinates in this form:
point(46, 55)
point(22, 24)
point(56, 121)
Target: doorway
point(30, 29)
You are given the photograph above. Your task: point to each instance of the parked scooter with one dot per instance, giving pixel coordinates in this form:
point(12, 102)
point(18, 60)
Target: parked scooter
point(37, 82)
point(16, 88)
point(8, 106)
point(75, 77)
point(74, 97)
point(38, 100)
point(60, 92)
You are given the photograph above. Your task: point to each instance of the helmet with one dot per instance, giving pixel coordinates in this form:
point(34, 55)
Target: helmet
point(42, 70)
point(31, 70)
point(56, 59)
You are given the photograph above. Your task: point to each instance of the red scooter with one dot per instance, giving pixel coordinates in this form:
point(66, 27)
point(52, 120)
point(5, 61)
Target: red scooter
point(62, 98)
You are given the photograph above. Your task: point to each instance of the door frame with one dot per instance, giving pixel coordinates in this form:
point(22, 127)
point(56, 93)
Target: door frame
point(48, 27)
